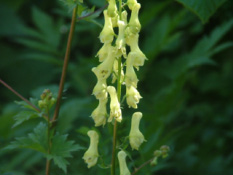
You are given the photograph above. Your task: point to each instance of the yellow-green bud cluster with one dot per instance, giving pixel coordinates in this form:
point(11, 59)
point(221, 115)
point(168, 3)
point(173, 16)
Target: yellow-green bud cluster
point(162, 152)
point(47, 100)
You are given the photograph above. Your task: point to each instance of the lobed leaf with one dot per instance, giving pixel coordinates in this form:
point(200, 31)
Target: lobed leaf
point(204, 9)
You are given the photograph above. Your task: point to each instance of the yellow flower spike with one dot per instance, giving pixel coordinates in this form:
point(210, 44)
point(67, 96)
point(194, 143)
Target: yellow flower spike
point(103, 52)
point(115, 110)
point(136, 138)
point(100, 113)
point(134, 24)
point(131, 3)
point(100, 89)
point(112, 8)
point(122, 163)
point(91, 155)
point(132, 97)
point(130, 75)
point(107, 34)
point(103, 70)
point(115, 70)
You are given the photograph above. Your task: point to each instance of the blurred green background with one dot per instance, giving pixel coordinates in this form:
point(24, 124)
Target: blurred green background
point(186, 84)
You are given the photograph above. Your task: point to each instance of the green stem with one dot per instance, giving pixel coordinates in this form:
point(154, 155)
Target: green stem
point(113, 167)
point(65, 65)
point(120, 8)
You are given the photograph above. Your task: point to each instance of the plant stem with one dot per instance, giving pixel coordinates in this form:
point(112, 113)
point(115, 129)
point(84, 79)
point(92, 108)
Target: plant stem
point(113, 167)
point(140, 167)
point(23, 98)
point(20, 96)
point(120, 9)
point(65, 65)
point(48, 161)
point(61, 85)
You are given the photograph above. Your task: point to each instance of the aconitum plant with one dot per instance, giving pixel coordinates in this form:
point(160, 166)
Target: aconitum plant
point(118, 63)
point(120, 58)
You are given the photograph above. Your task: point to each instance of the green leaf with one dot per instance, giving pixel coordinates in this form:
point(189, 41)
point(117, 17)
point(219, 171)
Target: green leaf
point(23, 116)
point(61, 149)
point(204, 9)
point(25, 105)
point(35, 141)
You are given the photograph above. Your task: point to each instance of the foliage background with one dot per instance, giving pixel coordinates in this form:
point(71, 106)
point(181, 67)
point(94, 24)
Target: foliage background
point(186, 85)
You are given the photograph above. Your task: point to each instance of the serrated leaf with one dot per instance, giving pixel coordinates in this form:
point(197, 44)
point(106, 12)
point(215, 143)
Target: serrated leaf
point(204, 9)
point(61, 149)
point(23, 116)
point(71, 4)
point(25, 105)
point(36, 140)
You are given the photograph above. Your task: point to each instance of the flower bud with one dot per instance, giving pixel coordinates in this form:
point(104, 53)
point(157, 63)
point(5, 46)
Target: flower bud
point(115, 111)
point(112, 8)
point(130, 75)
point(107, 34)
point(100, 113)
point(100, 89)
point(47, 100)
point(136, 138)
point(122, 163)
point(134, 24)
point(103, 70)
point(131, 3)
point(132, 97)
point(91, 155)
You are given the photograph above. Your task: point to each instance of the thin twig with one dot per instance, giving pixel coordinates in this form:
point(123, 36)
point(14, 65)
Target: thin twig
point(19, 95)
point(140, 167)
point(99, 10)
point(65, 65)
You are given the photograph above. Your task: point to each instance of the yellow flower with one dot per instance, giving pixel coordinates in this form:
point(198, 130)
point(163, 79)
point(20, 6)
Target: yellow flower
point(103, 70)
point(132, 97)
point(91, 155)
point(100, 113)
point(131, 3)
point(134, 24)
point(139, 56)
point(115, 70)
point(103, 52)
point(130, 75)
point(112, 8)
point(115, 111)
point(136, 138)
point(100, 89)
point(107, 34)
point(122, 163)
point(120, 42)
